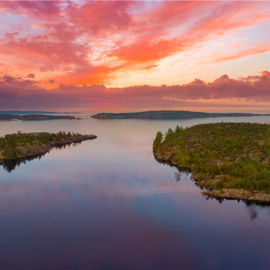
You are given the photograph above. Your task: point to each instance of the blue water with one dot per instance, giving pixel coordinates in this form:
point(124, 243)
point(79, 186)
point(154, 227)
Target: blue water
point(107, 204)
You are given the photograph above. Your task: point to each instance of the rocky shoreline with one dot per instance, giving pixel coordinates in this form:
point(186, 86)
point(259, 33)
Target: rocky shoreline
point(239, 194)
point(258, 197)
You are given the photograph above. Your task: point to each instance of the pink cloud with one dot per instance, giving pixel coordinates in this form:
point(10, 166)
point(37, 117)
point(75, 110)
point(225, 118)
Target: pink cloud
point(17, 92)
point(251, 50)
point(101, 18)
point(39, 9)
point(77, 39)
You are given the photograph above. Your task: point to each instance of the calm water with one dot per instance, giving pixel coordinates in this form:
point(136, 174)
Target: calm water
point(107, 204)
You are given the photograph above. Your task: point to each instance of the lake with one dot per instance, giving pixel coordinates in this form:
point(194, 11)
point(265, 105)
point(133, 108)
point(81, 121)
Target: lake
point(108, 204)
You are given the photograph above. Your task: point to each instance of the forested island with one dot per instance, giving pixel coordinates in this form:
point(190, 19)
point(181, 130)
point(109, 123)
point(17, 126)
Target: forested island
point(34, 117)
point(228, 160)
point(168, 115)
point(27, 145)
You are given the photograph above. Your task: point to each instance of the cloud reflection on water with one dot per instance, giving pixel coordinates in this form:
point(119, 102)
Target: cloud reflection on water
point(107, 204)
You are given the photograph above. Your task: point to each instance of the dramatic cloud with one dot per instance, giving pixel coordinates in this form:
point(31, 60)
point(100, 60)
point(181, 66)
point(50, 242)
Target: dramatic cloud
point(246, 92)
point(56, 53)
point(99, 42)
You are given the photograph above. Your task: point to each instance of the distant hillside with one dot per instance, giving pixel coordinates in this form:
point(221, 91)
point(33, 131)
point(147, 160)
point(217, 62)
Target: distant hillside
point(169, 115)
point(34, 117)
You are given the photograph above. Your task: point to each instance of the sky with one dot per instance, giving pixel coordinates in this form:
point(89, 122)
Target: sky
point(135, 55)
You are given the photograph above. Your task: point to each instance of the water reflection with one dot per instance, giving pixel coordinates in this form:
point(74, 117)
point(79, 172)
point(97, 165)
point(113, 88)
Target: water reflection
point(253, 213)
point(177, 176)
point(185, 173)
point(11, 164)
point(182, 174)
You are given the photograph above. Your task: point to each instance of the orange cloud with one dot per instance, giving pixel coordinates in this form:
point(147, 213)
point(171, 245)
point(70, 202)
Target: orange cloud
point(255, 49)
point(92, 42)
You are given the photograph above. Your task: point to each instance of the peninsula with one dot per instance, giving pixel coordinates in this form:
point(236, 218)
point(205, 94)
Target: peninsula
point(34, 117)
point(27, 145)
point(228, 160)
point(168, 115)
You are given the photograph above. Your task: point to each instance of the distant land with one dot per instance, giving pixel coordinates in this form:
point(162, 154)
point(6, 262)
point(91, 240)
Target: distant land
point(168, 115)
point(34, 117)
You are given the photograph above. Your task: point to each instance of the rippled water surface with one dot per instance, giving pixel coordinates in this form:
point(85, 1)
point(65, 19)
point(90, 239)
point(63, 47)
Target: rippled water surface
point(107, 204)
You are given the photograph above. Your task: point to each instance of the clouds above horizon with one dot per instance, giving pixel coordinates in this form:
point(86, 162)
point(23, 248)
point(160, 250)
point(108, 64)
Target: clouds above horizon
point(250, 93)
point(55, 53)
point(123, 43)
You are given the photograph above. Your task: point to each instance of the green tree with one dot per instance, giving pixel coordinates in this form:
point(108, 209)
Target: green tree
point(157, 141)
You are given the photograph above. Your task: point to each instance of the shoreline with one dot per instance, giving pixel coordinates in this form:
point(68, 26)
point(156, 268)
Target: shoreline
point(45, 148)
point(258, 197)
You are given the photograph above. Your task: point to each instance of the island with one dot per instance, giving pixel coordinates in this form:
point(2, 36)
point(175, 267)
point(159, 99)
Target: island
point(227, 160)
point(21, 146)
point(169, 115)
point(34, 117)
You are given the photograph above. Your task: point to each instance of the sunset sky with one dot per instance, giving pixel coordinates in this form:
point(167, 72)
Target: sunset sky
point(135, 55)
